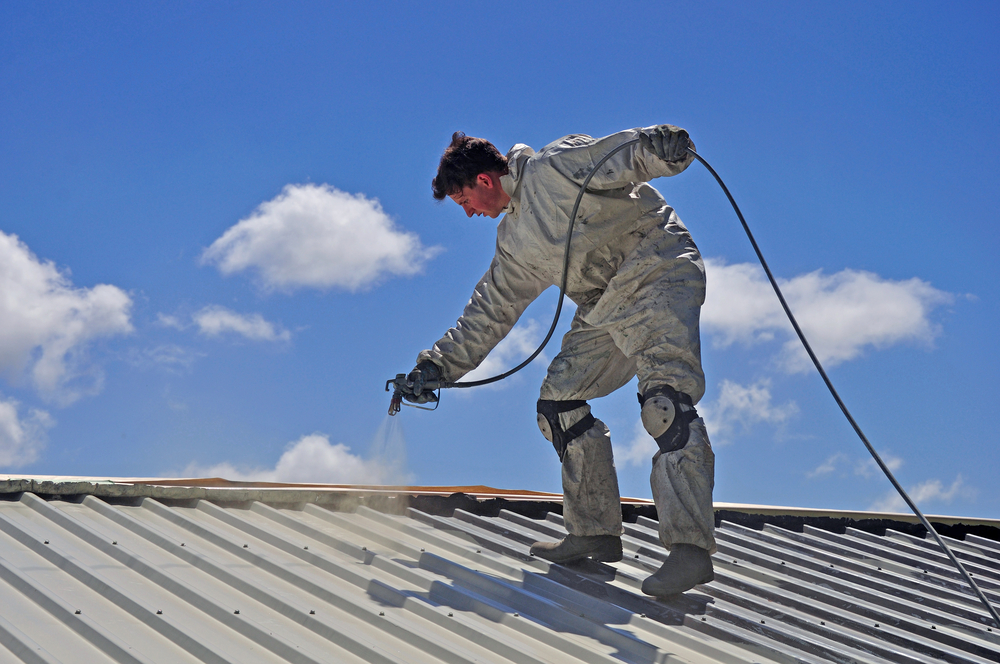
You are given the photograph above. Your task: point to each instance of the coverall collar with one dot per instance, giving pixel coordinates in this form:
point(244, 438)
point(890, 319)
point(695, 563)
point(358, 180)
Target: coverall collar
point(511, 182)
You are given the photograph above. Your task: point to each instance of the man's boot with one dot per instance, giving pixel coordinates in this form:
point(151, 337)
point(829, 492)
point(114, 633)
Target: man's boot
point(685, 567)
point(603, 548)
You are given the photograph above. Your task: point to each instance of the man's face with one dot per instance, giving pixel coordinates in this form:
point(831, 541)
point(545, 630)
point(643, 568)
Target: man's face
point(484, 197)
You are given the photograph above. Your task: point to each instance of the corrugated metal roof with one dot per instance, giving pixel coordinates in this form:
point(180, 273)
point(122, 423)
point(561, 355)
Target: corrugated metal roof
point(264, 579)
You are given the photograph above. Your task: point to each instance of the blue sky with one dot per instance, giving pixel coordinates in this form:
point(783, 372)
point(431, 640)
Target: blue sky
point(218, 239)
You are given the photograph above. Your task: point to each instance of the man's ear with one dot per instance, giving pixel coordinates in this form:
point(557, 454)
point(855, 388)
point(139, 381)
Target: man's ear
point(486, 180)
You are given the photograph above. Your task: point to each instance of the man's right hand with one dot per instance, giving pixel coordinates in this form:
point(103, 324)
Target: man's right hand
point(417, 380)
point(667, 142)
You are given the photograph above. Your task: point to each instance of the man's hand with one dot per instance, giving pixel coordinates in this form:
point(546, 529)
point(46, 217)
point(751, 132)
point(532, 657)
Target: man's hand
point(422, 374)
point(667, 142)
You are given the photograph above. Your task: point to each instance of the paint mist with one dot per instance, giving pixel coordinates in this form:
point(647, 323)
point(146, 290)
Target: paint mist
point(388, 451)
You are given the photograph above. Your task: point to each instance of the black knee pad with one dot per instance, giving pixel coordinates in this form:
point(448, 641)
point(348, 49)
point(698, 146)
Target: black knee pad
point(678, 432)
point(549, 410)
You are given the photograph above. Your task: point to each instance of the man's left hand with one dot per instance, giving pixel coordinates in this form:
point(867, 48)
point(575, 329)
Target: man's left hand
point(667, 142)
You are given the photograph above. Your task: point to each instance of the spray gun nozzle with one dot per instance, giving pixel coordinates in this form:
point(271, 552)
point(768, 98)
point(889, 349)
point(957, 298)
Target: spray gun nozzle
point(400, 386)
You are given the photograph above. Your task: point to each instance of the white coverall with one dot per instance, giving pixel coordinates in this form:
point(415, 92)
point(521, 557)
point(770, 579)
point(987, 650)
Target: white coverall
point(638, 281)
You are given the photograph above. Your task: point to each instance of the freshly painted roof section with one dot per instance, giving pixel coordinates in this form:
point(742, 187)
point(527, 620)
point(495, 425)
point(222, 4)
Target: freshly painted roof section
point(246, 574)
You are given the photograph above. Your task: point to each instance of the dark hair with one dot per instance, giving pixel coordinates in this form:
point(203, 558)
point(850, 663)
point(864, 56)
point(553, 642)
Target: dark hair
point(463, 161)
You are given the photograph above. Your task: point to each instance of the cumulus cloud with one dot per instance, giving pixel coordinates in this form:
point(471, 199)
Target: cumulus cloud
point(929, 492)
point(841, 314)
point(320, 237)
point(48, 324)
point(739, 407)
point(21, 438)
point(511, 351)
point(215, 320)
point(313, 459)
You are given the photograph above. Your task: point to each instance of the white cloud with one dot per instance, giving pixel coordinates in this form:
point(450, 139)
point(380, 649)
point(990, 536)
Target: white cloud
point(742, 406)
point(167, 357)
point(166, 320)
point(828, 466)
point(317, 236)
point(21, 438)
point(867, 467)
point(215, 320)
point(511, 351)
point(313, 459)
point(928, 492)
point(862, 467)
point(737, 405)
point(841, 314)
point(48, 323)
point(638, 451)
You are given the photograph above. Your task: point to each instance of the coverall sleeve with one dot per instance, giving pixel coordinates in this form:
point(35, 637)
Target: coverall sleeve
point(498, 300)
point(577, 155)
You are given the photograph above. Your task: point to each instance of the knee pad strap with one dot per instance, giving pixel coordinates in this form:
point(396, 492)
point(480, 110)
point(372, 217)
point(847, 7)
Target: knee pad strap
point(550, 410)
point(677, 434)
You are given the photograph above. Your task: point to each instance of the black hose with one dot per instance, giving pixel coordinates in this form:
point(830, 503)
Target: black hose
point(798, 331)
point(836, 397)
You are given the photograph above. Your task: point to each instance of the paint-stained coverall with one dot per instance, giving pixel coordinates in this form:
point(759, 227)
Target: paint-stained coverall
point(638, 281)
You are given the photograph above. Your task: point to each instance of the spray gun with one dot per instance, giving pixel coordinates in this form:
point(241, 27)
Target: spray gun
point(401, 386)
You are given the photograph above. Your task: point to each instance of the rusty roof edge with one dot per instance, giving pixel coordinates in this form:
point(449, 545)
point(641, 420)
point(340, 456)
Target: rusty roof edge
point(218, 489)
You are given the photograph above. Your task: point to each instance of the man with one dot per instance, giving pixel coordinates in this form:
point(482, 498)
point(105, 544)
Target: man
point(638, 281)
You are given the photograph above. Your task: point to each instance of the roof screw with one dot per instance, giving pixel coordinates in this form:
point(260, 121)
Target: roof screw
point(381, 613)
point(822, 623)
point(933, 627)
point(450, 614)
point(46, 541)
point(761, 622)
point(78, 612)
point(782, 562)
point(159, 612)
point(831, 564)
point(182, 543)
point(876, 624)
point(704, 619)
point(115, 542)
point(311, 612)
point(246, 546)
point(880, 569)
point(364, 548)
point(236, 612)
point(642, 615)
point(637, 555)
point(517, 615)
point(421, 550)
point(306, 548)
point(734, 561)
